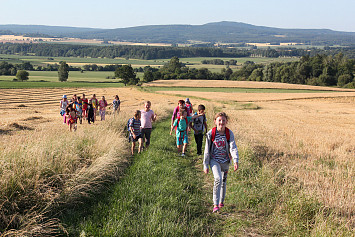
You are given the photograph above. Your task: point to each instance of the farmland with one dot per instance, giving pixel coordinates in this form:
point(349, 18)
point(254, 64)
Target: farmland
point(296, 166)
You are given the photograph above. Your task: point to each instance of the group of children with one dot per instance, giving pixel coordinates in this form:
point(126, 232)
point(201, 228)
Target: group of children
point(220, 147)
point(81, 108)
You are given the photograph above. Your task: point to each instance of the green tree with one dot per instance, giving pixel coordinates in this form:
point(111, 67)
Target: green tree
point(344, 79)
point(126, 73)
point(63, 71)
point(22, 75)
point(148, 76)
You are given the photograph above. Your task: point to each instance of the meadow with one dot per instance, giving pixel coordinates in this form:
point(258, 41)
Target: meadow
point(295, 177)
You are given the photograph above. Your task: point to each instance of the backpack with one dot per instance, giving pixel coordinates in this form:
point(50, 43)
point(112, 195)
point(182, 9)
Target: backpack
point(213, 135)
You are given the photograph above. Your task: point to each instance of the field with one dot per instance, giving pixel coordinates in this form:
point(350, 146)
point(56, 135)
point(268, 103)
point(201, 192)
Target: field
point(296, 172)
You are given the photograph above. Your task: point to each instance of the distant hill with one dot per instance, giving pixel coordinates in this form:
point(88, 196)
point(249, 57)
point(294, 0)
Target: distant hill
point(223, 32)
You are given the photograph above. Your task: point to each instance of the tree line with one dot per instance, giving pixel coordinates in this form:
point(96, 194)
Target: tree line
point(320, 70)
point(149, 52)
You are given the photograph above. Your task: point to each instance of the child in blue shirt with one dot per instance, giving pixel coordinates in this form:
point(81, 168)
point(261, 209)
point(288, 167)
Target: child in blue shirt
point(181, 124)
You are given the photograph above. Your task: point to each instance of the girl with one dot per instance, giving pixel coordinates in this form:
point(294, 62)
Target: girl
point(94, 103)
point(85, 103)
point(181, 106)
point(181, 124)
point(116, 103)
point(71, 118)
point(102, 106)
point(220, 145)
point(135, 131)
point(63, 106)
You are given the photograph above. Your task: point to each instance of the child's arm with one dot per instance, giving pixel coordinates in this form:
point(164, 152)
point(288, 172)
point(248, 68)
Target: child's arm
point(205, 124)
point(173, 126)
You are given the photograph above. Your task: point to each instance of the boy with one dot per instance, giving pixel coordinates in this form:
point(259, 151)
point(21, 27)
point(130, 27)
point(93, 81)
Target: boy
point(135, 131)
point(181, 124)
point(199, 125)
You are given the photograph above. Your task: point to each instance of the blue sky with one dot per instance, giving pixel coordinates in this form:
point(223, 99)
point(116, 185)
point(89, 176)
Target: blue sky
point(109, 14)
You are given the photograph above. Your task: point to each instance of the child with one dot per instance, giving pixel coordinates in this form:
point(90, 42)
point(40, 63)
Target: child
point(181, 124)
point(199, 125)
point(188, 106)
point(63, 106)
point(135, 131)
point(148, 117)
point(94, 102)
point(116, 103)
point(79, 109)
point(71, 118)
point(102, 106)
point(85, 106)
point(181, 106)
point(220, 145)
point(90, 113)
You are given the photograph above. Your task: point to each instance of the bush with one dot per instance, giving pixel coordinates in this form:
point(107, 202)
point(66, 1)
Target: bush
point(344, 79)
point(350, 85)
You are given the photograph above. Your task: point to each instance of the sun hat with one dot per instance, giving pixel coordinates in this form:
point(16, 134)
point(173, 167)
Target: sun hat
point(64, 96)
point(187, 100)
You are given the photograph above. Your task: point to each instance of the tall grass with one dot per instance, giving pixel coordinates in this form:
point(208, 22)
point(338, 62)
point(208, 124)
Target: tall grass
point(42, 169)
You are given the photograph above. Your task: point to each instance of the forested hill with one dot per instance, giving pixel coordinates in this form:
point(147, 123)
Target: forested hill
point(226, 32)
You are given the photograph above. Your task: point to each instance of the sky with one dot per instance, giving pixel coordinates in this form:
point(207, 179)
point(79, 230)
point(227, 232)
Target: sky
point(110, 14)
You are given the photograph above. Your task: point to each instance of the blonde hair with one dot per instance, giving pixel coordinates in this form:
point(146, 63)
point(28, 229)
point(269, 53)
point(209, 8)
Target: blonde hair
point(221, 114)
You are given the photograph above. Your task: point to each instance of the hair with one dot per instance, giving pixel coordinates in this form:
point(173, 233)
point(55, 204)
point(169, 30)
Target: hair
point(182, 102)
point(201, 107)
point(116, 97)
point(183, 111)
point(147, 101)
point(221, 114)
point(137, 113)
point(83, 94)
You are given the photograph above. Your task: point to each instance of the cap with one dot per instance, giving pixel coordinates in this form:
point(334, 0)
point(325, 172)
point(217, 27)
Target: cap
point(64, 96)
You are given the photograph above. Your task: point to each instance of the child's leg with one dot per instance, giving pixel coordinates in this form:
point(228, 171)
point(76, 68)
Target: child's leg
point(179, 148)
point(217, 174)
point(133, 146)
point(199, 139)
point(103, 115)
point(184, 147)
point(224, 170)
point(140, 141)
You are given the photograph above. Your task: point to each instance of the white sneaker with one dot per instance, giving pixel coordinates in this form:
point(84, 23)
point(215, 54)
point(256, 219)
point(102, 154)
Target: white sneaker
point(182, 154)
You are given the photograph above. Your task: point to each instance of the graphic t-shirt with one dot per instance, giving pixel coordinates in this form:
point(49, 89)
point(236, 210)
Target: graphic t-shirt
point(198, 123)
point(220, 153)
point(85, 103)
point(102, 104)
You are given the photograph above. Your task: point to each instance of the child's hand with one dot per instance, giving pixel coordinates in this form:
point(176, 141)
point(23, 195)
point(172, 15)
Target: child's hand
point(206, 171)
point(170, 133)
point(236, 166)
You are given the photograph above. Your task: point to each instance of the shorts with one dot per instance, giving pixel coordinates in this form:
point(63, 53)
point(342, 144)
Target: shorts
point(182, 139)
point(137, 137)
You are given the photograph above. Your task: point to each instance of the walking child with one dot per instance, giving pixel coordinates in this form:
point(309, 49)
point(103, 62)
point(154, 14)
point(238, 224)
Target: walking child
point(147, 117)
point(219, 149)
point(63, 106)
point(116, 103)
point(94, 102)
point(71, 118)
point(135, 131)
point(199, 126)
point(181, 124)
point(85, 103)
point(102, 107)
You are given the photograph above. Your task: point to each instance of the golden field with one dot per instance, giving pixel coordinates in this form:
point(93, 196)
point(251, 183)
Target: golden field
point(309, 136)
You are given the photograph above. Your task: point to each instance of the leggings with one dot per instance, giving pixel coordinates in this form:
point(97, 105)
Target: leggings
point(220, 172)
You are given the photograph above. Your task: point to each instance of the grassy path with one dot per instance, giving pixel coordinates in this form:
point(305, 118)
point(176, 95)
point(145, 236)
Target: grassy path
point(160, 195)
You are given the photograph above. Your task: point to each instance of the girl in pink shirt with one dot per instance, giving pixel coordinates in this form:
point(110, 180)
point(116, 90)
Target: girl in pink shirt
point(102, 106)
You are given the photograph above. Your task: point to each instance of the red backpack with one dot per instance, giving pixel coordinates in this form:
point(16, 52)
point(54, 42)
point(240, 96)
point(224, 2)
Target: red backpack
point(178, 121)
point(213, 135)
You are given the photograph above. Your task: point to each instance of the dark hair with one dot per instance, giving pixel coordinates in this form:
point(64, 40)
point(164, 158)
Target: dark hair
point(201, 107)
point(221, 114)
point(181, 102)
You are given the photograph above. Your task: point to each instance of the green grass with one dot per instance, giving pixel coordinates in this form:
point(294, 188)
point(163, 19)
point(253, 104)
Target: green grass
point(160, 195)
point(232, 90)
point(49, 79)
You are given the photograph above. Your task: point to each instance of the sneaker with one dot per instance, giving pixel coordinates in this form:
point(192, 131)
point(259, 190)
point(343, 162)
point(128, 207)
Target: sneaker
point(182, 154)
point(215, 209)
point(221, 205)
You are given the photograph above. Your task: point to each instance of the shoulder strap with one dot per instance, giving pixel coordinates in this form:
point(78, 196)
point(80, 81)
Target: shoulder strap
point(213, 135)
point(227, 135)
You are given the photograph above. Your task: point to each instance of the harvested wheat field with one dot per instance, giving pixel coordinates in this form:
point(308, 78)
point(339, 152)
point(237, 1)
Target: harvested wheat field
point(238, 84)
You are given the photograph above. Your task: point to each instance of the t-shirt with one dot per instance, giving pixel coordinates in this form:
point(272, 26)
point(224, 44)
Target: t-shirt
point(220, 153)
point(136, 125)
point(63, 104)
point(85, 103)
point(94, 102)
point(116, 104)
point(198, 123)
point(146, 118)
point(102, 104)
point(181, 129)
